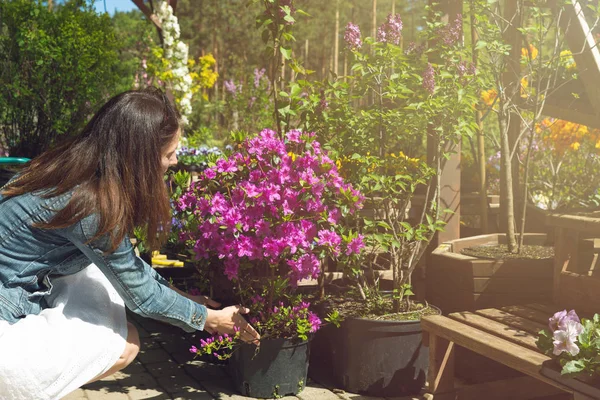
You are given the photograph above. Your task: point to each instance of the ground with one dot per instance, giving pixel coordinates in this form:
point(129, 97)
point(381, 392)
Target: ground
point(166, 370)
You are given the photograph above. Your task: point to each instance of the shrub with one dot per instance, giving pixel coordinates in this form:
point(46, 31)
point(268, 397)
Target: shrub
point(55, 66)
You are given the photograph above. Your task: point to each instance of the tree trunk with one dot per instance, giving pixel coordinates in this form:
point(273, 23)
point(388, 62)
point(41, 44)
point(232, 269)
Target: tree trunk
point(337, 38)
point(483, 202)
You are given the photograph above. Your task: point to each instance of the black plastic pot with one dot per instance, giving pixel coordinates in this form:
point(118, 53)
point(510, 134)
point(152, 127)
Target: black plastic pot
point(377, 358)
point(279, 368)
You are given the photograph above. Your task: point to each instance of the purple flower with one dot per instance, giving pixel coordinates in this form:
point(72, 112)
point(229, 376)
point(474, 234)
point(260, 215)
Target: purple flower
point(450, 34)
point(429, 78)
point(558, 320)
point(258, 74)
point(226, 166)
point(294, 136)
point(231, 87)
point(352, 36)
point(315, 322)
point(564, 339)
point(355, 245)
point(391, 30)
point(331, 239)
point(193, 349)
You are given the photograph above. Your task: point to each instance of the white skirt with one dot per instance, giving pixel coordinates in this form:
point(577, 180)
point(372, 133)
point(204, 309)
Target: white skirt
point(80, 336)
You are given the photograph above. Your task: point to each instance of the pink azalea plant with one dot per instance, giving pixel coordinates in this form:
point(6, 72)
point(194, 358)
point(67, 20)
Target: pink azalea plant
point(575, 342)
point(268, 215)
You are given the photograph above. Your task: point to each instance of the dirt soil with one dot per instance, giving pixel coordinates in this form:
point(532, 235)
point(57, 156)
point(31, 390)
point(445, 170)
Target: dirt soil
point(500, 252)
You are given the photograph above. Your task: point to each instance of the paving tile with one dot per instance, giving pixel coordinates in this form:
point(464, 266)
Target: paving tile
point(179, 345)
point(141, 380)
point(149, 344)
point(203, 371)
point(182, 357)
point(135, 367)
point(193, 396)
point(78, 394)
point(152, 356)
point(105, 391)
point(317, 392)
point(150, 393)
point(165, 368)
point(179, 384)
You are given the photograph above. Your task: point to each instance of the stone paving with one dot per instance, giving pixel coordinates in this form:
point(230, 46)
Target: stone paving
point(166, 370)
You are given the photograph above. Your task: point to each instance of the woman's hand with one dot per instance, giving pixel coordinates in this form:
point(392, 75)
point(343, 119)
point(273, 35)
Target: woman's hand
point(225, 320)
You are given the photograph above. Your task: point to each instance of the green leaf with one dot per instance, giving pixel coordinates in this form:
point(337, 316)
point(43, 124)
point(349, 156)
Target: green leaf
point(286, 52)
point(573, 367)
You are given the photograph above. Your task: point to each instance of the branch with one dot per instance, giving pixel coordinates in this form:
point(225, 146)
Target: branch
point(148, 13)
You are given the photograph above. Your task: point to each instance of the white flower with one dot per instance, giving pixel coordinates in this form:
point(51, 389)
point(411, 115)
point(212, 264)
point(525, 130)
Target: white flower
point(564, 340)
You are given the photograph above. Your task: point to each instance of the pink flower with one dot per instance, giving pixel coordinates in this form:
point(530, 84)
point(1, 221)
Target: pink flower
point(331, 239)
point(564, 339)
point(355, 245)
point(559, 319)
point(352, 36)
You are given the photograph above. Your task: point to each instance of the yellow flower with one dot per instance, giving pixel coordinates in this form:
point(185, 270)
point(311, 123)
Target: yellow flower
point(566, 59)
point(489, 96)
point(524, 86)
point(532, 51)
point(575, 146)
point(292, 155)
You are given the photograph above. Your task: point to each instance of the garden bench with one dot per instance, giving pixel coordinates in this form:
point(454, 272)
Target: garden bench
point(507, 335)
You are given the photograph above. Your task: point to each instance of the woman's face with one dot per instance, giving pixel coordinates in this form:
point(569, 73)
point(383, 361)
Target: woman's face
point(168, 156)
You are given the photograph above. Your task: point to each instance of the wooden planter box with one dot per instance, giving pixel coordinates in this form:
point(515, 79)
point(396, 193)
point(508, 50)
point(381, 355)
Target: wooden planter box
point(456, 282)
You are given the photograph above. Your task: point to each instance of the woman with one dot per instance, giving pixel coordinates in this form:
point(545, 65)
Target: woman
point(67, 267)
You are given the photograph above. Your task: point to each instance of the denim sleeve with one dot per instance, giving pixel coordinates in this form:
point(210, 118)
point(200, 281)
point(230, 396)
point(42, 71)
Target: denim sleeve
point(143, 290)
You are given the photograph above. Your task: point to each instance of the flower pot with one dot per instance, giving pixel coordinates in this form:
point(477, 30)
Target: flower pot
point(458, 282)
point(584, 384)
point(278, 369)
point(372, 357)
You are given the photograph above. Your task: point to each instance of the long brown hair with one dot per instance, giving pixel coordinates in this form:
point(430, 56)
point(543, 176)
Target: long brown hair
point(113, 168)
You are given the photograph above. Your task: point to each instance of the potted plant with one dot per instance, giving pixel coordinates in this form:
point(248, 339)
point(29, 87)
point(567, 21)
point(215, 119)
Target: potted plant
point(193, 159)
point(574, 345)
point(376, 121)
point(524, 65)
point(265, 217)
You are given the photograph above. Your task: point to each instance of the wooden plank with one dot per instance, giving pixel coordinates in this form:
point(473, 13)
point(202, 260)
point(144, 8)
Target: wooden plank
point(580, 39)
point(513, 320)
point(501, 350)
point(547, 308)
point(521, 388)
point(579, 291)
point(531, 314)
point(511, 285)
point(494, 327)
point(441, 365)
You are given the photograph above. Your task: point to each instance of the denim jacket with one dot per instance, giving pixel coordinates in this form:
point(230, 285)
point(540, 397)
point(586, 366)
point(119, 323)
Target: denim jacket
point(31, 257)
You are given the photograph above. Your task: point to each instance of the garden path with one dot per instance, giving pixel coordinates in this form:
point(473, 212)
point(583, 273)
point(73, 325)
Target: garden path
point(166, 370)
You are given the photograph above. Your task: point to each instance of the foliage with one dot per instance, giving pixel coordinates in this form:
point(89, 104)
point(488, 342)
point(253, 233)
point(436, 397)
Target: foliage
point(269, 214)
point(248, 105)
point(376, 122)
point(518, 83)
point(200, 157)
point(289, 321)
point(574, 342)
point(567, 160)
point(56, 67)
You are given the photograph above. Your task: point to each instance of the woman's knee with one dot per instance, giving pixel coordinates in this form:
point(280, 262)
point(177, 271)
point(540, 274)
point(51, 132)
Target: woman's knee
point(132, 347)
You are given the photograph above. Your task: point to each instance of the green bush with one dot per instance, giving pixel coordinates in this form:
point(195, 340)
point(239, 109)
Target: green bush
point(55, 67)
